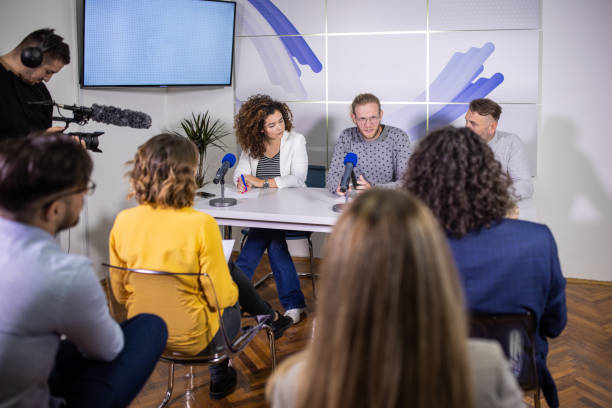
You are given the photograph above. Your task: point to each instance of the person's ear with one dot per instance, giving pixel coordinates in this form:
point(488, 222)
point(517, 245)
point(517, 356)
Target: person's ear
point(53, 211)
point(380, 114)
point(493, 127)
point(354, 118)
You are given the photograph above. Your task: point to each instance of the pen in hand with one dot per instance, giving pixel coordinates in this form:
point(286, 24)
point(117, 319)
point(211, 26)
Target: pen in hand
point(244, 183)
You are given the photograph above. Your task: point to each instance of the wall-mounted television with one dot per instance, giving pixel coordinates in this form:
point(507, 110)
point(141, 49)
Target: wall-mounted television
point(157, 42)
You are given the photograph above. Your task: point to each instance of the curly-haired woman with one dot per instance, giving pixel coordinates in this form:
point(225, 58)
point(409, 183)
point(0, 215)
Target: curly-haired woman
point(506, 265)
point(273, 156)
point(165, 233)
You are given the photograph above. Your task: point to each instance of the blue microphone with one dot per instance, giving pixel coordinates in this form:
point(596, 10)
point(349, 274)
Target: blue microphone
point(227, 162)
point(350, 161)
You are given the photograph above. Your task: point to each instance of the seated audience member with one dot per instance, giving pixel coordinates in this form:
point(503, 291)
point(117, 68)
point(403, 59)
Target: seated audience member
point(273, 156)
point(382, 150)
point(46, 294)
point(165, 233)
point(506, 265)
point(391, 329)
point(482, 117)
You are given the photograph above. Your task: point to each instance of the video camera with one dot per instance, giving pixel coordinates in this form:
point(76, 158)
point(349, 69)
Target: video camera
point(98, 113)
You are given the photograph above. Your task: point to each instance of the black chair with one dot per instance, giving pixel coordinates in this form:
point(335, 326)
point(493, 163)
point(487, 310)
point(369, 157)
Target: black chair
point(516, 335)
point(227, 350)
point(315, 178)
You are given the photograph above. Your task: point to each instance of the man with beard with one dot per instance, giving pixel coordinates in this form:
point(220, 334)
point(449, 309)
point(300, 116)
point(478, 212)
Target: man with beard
point(58, 342)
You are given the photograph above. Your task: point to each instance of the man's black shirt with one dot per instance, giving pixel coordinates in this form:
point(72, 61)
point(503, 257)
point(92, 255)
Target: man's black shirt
point(17, 118)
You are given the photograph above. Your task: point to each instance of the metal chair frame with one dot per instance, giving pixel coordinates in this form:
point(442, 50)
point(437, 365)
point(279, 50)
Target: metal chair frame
point(230, 347)
point(504, 320)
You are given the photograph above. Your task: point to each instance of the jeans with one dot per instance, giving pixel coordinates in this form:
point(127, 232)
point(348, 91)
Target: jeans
point(88, 383)
point(285, 275)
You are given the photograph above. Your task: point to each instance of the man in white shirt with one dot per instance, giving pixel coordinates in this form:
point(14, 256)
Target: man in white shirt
point(482, 118)
point(58, 342)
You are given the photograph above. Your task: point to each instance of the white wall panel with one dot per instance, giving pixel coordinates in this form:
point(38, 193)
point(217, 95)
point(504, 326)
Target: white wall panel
point(483, 14)
point(357, 64)
point(352, 16)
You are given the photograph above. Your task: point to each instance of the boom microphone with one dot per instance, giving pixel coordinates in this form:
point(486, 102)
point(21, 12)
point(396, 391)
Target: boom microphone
point(112, 115)
point(227, 162)
point(350, 161)
point(104, 114)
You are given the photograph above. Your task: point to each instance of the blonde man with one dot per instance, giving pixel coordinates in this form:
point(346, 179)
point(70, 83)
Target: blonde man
point(382, 150)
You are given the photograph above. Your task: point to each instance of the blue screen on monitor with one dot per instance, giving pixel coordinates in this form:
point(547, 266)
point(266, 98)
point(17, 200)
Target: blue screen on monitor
point(157, 42)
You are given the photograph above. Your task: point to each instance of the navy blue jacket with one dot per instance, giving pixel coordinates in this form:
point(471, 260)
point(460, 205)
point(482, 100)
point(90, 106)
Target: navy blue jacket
point(513, 267)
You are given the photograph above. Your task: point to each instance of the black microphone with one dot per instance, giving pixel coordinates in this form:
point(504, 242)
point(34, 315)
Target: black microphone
point(227, 162)
point(105, 114)
point(350, 161)
point(120, 117)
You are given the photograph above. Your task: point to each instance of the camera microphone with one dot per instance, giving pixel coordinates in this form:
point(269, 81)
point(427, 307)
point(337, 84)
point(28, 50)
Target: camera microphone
point(111, 115)
point(120, 117)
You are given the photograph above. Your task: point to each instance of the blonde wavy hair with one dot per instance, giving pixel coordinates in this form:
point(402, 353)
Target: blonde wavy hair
point(163, 172)
point(391, 326)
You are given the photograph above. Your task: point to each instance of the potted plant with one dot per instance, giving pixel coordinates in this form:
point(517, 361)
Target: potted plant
point(203, 131)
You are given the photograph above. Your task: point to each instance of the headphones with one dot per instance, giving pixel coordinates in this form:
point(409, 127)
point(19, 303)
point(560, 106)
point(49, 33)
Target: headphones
point(32, 57)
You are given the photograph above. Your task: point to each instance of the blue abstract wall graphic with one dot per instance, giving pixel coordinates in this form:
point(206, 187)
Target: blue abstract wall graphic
point(296, 46)
point(279, 54)
point(455, 83)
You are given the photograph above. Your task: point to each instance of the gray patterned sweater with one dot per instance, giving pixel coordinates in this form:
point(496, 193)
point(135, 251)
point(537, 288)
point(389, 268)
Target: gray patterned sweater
point(382, 162)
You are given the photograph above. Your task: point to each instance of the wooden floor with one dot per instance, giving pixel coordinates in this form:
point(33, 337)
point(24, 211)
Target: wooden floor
point(580, 359)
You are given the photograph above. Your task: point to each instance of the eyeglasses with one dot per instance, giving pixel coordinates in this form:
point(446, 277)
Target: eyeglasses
point(371, 119)
point(88, 189)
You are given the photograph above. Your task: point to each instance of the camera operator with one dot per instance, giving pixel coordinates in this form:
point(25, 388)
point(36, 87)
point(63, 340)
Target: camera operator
point(22, 72)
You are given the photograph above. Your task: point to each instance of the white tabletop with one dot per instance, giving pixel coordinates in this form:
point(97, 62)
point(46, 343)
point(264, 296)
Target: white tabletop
point(302, 209)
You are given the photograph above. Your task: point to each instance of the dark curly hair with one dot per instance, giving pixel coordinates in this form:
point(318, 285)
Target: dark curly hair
point(163, 172)
point(249, 122)
point(455, 173)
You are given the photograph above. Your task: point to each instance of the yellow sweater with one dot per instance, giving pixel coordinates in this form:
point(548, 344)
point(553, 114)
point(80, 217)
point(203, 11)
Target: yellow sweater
point(173, 240)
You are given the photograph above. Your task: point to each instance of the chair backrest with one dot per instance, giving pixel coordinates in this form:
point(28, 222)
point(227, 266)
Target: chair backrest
point(315, 176)
point(516, 335)
point(231, 346)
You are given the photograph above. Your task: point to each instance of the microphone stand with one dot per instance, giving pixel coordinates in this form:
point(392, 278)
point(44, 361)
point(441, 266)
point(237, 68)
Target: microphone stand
point(223, 202)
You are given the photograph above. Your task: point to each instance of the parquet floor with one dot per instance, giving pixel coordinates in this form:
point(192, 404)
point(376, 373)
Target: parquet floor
point(580, 359)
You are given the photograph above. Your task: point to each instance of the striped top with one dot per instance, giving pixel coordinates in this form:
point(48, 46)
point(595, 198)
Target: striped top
point(268, 168)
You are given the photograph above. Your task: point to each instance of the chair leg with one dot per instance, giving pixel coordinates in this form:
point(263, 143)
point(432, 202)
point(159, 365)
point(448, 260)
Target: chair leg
point(536, 398)
point(270, 334)
point(170, 386)
point(189, 397)
point(262, 280)
point(312, 275)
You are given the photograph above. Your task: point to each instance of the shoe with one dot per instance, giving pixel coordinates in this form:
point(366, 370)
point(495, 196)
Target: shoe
point(296, 314)
point(281, 324)
point(223, 388)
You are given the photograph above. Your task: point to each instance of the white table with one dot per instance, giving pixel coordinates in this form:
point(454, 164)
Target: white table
point(300, 209)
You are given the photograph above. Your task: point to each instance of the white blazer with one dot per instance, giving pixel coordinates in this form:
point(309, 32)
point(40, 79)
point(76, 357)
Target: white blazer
point(293, 162)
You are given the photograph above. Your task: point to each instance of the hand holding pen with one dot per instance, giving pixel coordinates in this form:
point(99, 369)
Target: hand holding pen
point(242, 184)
